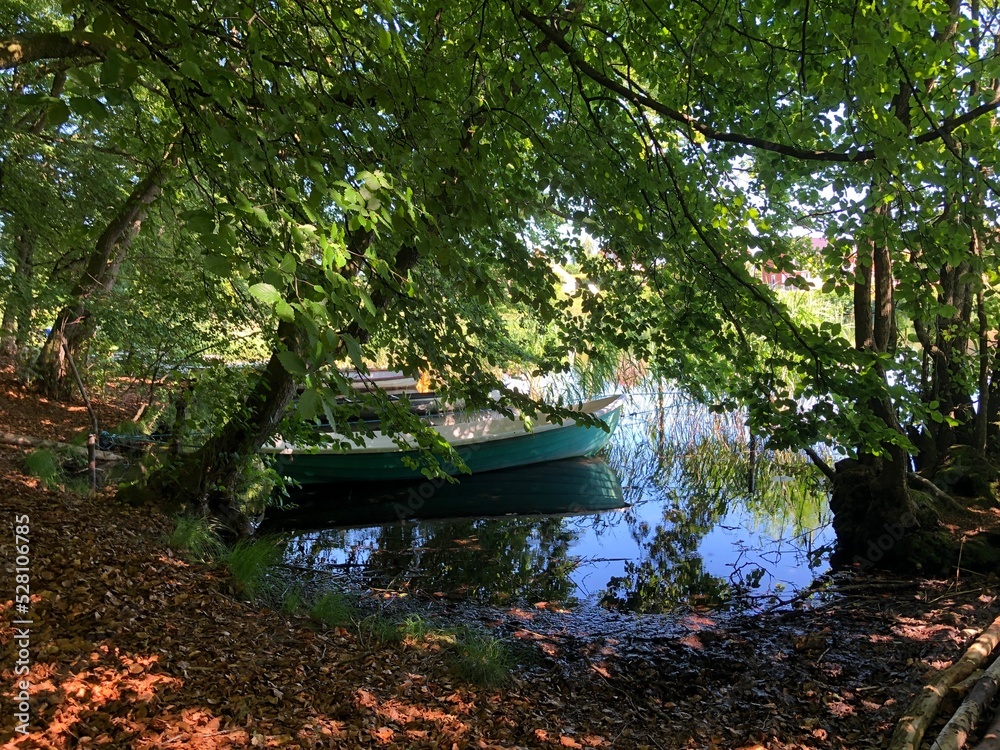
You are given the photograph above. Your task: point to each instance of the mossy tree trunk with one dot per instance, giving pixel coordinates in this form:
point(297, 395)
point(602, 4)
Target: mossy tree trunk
point(74, 324)
point(208, 480)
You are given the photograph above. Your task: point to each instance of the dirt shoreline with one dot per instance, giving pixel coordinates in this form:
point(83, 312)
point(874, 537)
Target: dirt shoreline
point(131, 646)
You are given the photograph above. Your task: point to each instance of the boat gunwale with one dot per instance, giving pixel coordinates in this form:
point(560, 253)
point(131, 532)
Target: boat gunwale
point(601, 407)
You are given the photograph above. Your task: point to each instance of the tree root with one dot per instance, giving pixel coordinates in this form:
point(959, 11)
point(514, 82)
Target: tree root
point(21, 441)
point(912, 726)
point(926, 485)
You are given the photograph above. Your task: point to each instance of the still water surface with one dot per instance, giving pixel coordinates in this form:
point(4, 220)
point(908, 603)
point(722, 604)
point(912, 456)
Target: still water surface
point(667, 518)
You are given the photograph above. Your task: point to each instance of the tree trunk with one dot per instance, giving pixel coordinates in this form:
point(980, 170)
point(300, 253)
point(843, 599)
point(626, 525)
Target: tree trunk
point(207, 481)
point(74, 324)
point(863, 326)
point(993, 404)
point(948, 353)
point(983, 408)
point(871, 502)
point(17, 313)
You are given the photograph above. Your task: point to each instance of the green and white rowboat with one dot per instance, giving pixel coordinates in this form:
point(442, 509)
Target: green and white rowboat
point(485, 441)
point(557, 488)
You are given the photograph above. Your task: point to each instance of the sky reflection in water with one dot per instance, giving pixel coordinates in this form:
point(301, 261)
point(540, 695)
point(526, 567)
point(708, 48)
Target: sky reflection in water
point(692, 532)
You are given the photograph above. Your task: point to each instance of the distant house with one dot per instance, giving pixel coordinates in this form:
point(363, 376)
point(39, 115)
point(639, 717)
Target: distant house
point(779, 279)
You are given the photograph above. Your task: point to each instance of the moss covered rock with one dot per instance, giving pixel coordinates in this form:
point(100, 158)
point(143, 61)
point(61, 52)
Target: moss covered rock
point(967, 474)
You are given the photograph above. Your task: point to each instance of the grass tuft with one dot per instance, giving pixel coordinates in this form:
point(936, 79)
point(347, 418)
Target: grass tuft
point(481, 658)
point(46, 465)
point(250, 563)
point(196, 536)
point(293, 600)
point(333, 610)
point(376, 630)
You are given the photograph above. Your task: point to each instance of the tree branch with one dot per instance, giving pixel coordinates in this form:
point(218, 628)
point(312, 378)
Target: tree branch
point(820, 464)
point(22, 49)
point(628, 91)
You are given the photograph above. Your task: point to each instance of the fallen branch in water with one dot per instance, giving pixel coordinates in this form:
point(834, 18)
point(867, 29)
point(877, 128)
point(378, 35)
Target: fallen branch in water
point(21, 441)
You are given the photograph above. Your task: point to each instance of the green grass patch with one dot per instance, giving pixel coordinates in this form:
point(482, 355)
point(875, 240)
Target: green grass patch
point(333, 610)
point(481, 658)
point(472, 654)
point(46, 465)
point(377, 630)
point(293, 600)
point(250, 562)
point(77, 485)
point(196, 537)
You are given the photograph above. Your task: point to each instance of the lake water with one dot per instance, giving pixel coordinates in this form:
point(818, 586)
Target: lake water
point(691, 531)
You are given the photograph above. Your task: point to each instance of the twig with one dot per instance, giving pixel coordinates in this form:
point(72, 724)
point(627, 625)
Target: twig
point(953, 593)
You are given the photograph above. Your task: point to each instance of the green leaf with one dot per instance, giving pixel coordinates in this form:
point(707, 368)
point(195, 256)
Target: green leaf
point(285, 311)
point(293, 363)
point(354, 350)
point(266, 293)
point(309, 404)
point(190, 70)
point(58, 113)
point(202, 222)
point(111, 69)
point(88, 107)
point(366, 300)
point(219, 265)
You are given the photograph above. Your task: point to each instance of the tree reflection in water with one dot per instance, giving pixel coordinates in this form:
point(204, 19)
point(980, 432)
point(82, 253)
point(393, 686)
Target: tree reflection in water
point(699, 468)
point(687, 475)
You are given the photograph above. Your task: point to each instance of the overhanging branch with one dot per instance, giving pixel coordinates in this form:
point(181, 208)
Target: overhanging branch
point(627, 89)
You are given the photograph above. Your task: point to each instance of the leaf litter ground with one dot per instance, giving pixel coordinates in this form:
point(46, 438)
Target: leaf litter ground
point(132, 647)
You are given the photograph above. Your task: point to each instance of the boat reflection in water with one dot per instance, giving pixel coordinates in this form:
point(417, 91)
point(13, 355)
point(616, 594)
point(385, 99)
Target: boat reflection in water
point(708, 521)
point(495, 537)
point(556, 488)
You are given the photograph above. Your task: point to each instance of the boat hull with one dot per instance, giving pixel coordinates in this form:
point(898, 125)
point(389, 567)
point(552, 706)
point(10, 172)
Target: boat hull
point(559, 488)
point(571, 440)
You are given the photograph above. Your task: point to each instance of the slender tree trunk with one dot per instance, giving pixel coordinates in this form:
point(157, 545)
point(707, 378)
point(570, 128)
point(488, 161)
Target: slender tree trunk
point(871, 498)
point(208, 480)
point(993, 404)
point(74, 324)
point(985, 357)
point(864, 337)
point(949, 356)
point(221, 461)
point(17, 313)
